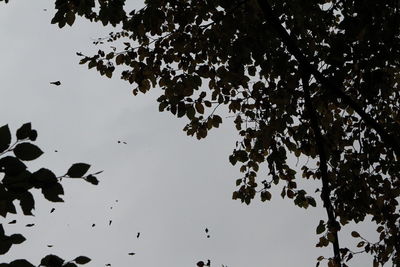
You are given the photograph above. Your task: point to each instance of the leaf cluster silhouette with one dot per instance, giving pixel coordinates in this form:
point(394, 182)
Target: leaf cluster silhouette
point(18, 182)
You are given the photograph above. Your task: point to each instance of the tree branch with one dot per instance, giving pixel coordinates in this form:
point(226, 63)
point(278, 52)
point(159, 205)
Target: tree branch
point(333, 225)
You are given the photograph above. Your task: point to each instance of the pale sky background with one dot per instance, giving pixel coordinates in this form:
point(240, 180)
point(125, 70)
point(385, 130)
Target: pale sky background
point(169, 186)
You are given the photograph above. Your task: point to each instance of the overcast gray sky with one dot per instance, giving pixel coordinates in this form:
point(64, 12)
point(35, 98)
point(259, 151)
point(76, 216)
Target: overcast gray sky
point(169, 187)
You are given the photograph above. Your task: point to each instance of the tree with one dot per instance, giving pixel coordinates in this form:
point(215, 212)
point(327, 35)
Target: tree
point(317, 79)
point(18, 182)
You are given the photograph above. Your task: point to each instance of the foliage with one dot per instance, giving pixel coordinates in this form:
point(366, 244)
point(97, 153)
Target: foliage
point(316, 79)
point(17, 184)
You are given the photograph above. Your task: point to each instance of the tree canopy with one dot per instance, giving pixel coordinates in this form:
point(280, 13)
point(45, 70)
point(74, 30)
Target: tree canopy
point(316, 79)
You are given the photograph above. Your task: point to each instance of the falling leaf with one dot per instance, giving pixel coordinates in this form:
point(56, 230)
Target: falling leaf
point(200, 264)
point(12, 222)
point(131, 253)
point(138, 234)
point(30, 225)
point(206, 230)
point(109, 223)
point(50, 246)
point(57, 83)
point(108, 264)
point(93, 225)
point(208, 236)
point(52, 210)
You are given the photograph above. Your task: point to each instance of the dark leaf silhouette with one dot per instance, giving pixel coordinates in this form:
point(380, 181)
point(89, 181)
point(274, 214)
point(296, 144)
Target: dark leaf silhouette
point(12, 222)
point(57, 83)
point(17, 238)
point(27, 203)
point(77, 170)
point(19, 263)
point(24, 131)
point(30, 225)
point(27, 151)
point(52, 192)
point(12, 166)
point(92, 179)
point(5, 138)
point(52, 261)
point(82, 260)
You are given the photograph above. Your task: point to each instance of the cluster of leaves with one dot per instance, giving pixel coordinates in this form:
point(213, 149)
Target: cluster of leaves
point(318, 79)
point(17, 183)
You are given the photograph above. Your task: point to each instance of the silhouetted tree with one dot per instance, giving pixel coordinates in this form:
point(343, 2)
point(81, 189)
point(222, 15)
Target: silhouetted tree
point(316, 79)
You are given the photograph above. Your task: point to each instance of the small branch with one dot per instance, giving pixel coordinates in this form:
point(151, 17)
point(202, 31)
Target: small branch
point(333, 225)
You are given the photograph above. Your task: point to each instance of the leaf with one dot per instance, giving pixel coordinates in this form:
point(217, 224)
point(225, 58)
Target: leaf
point(21, 263)
point(5, 138)
point(120, 59)
point(82, 260)
point(199, 107)
point(311, 201)
point(52, 261)
point(5, 245)
point(12, 166)
point(33, 135)
point(52, 192)
point(27, 151)
point(24, 131)
point(355, 234)
point(56, 83)
point(17, 238)
point(320, 227)
point(92, 179)
point(44, 176)
point(265, 195)
point(27, 203)
point(77, 170)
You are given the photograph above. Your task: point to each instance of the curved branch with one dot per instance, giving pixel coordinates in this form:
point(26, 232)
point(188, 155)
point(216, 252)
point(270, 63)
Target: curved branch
point(333, 225)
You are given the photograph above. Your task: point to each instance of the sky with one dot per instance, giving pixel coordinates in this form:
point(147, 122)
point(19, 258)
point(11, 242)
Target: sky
point(161, 183)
